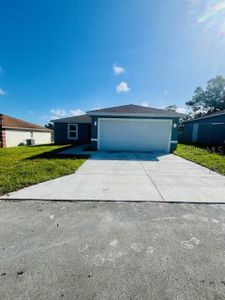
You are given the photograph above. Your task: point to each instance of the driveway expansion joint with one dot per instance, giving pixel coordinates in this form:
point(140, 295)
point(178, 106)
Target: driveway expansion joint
point(149, 177)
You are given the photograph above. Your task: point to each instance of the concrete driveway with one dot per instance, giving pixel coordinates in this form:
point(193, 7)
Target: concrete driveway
point(124, 176)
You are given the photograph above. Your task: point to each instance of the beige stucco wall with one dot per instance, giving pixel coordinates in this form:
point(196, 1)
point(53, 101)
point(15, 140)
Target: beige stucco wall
point(16, 137)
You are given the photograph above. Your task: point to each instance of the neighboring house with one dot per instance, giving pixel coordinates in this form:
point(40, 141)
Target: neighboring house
point(206, 130)
point(72, 130)
point(15, 132)
point(134, 128)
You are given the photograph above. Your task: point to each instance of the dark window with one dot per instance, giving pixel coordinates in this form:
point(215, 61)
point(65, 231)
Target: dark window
point(72, 131)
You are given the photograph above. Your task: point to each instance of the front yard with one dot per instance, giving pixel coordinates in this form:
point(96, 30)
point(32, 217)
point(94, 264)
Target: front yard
point(24, 166)
point(203, 157)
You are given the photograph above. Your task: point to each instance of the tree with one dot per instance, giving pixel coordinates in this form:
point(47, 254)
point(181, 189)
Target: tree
point(210, 100)
point(172, 107)
point(49, 126)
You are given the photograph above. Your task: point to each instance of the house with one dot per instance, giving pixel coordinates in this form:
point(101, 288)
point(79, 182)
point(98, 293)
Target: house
point(72, 130)
point(15, 132)
point(128, 127)
point(134, 128)
point(208, 130)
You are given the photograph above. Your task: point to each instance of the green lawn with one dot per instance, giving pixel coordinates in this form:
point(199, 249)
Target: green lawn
point(24, 166)
point(201, 156)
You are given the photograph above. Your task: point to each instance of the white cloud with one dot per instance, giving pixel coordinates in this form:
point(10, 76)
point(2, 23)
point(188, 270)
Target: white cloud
point(58, 113)
point(182, 110)
point(122, 87)
point(2, 92)
point(62, 113)
point(145, 104)
point(96, 108)
point(76, 112)
point(118, 70)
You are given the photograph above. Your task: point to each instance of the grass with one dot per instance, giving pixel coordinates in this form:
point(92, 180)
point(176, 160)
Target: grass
point(24, 166)
point(203, 157)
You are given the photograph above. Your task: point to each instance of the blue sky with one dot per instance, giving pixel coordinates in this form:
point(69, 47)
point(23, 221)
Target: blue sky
point(59, 58)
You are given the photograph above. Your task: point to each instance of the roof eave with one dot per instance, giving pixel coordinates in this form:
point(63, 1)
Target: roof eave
point(26, 128)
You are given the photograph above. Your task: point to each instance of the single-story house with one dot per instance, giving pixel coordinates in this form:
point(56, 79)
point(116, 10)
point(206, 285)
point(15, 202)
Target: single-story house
point(128, 127)
point(134, 128)
point(15, 132)
point(72, 130)
point(206, 130)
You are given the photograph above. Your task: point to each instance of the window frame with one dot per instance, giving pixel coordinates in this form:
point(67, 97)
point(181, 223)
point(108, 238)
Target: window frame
point(69, 131)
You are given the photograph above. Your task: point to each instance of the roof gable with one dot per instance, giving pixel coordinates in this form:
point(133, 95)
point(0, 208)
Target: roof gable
point(132, 109)
point(10, 122)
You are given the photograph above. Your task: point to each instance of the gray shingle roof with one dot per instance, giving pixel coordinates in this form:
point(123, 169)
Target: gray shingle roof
point(134, 109)
point(74, 119)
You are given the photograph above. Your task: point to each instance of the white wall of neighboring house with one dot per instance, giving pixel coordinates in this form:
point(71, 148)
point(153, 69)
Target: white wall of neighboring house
point(14, 137)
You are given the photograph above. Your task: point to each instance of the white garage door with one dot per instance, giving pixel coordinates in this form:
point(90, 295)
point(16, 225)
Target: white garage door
point(134, 134)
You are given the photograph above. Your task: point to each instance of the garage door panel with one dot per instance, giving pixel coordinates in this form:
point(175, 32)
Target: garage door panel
point(134, 135)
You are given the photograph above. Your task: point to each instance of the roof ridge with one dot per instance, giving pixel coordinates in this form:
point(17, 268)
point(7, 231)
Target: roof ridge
point(135, 109)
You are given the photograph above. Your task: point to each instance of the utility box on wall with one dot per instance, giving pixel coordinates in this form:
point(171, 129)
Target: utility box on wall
point(30, 142)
